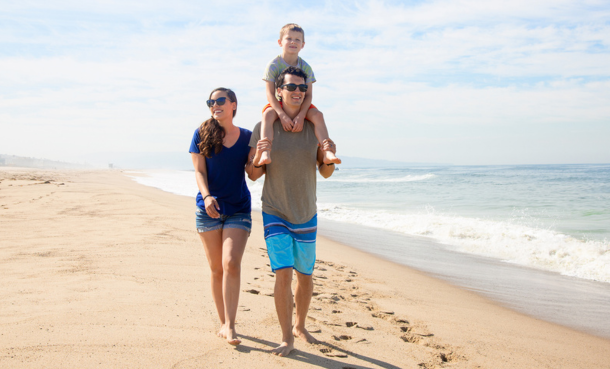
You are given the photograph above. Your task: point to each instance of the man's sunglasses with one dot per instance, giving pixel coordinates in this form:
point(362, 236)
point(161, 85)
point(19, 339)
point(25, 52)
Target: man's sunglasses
point(292, 87)
point(220, 101)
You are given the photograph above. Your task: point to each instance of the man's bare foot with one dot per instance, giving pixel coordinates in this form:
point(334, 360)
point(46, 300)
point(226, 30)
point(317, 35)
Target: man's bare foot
point(330, 158)
point(303, 334)
point(265, 158)
point(284, 349)
point(231, 336)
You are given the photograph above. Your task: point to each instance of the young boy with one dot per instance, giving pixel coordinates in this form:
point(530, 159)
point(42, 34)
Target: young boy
point(292, 40)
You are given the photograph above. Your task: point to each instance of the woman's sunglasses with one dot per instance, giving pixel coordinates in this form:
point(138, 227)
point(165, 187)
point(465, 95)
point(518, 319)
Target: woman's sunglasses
point(220, 101)
point(292, 87)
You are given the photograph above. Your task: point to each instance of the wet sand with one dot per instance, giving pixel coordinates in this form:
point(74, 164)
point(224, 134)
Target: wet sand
point(98, 271)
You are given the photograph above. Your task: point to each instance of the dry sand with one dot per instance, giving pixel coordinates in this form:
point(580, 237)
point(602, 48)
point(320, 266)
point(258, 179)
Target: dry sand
point(100, 272)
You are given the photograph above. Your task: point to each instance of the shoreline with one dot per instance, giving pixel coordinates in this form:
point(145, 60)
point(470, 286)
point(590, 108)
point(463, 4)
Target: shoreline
point(572, 302)
point(105, 272)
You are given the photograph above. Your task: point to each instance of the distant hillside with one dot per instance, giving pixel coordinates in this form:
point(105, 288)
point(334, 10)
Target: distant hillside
point(20, 161)
point(354, 162)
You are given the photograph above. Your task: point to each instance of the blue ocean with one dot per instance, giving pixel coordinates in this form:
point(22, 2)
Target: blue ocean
point(511, 233)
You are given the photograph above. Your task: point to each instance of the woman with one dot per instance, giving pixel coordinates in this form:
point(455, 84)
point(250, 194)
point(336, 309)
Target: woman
point(220, 150)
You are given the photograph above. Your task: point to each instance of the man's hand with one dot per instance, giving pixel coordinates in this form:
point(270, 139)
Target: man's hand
point(329, 145)
point(286, 122)
point(298, 121)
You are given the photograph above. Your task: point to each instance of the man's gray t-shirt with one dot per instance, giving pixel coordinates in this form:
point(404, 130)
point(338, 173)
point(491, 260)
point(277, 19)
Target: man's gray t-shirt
point(289, 191)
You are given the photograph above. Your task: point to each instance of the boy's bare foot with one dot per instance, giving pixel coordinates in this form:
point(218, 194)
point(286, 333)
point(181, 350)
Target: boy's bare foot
point(265, 158)
point(284, 349)
point(231, 337)
point(330, 158)
point(303, 334)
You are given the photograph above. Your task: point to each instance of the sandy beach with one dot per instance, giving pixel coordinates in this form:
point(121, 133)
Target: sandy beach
point(101, 272)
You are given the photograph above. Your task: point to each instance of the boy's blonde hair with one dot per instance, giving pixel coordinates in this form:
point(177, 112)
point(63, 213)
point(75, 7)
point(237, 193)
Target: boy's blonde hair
point(291, 27)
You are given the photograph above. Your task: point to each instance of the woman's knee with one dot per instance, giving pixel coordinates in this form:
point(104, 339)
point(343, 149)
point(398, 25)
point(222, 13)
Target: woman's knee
point(232, 266)
point(217, 271)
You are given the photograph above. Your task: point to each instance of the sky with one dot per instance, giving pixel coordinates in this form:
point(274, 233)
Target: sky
point(448, 81)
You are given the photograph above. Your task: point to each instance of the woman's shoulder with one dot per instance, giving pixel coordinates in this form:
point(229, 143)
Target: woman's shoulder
point(245, 132)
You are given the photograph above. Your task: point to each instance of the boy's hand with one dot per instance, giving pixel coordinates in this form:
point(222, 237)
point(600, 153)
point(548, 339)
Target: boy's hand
point(286, 122)
point(298, 121)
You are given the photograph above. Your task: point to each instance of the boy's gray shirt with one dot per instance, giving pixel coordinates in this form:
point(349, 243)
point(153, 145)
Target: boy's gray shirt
point(289, 191)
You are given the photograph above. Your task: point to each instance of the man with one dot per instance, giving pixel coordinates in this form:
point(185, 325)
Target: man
point(289, 206)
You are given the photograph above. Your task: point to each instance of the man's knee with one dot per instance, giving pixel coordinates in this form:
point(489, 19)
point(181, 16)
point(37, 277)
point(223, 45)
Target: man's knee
point(283, 276)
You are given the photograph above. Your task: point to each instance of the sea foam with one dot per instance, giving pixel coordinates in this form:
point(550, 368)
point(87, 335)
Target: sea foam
point(515, 243)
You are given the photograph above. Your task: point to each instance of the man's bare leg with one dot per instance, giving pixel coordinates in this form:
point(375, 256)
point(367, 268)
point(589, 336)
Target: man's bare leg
point(302, 297)
point(317, 118)
point(283, 305)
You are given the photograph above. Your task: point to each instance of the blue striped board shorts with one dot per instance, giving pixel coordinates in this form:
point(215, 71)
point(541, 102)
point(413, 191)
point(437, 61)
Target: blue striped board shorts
point(291, 245)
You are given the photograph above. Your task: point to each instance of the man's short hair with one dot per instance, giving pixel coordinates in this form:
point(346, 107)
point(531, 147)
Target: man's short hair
point(291, 27)
point(279, 81)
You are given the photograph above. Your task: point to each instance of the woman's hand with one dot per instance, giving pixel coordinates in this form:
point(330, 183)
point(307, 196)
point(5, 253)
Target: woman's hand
point(211, 207)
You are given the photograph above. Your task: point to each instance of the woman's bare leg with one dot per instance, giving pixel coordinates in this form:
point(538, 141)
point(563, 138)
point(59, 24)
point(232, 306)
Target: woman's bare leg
point(233, 246)
point(212, 243)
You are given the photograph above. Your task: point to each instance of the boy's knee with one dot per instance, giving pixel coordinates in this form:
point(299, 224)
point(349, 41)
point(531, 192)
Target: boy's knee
point(315, 115)
point(269, 114)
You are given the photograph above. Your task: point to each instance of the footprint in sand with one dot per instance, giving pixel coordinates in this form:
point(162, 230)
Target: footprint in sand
point(253, 291)
point(342, 337)
point(329, 352)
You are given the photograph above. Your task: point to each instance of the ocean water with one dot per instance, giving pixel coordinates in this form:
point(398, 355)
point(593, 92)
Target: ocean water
point(535, 238)
point(548, 217)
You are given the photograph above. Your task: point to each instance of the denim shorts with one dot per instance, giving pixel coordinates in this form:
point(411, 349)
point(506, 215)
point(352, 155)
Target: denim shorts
point(206, 223)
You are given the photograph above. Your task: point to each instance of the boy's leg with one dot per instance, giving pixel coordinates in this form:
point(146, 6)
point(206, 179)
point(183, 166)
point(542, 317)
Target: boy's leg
point(317, 118)
point(269, 116)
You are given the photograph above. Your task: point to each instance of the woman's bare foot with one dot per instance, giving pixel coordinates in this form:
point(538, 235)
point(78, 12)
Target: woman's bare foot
point(222, 332)
point(265, 158)
point(231, 336)
point(303, 334)
point(330, 158)
point(284, 349)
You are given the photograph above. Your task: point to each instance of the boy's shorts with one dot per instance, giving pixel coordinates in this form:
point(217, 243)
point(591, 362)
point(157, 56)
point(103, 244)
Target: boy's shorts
point(312, 106)
point(291, 245)
point(205, 223)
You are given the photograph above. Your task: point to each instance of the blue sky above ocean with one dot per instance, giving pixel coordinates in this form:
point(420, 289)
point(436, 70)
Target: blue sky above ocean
point(462, 82)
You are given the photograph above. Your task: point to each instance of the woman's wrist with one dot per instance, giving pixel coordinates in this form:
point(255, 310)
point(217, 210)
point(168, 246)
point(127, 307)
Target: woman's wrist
point(206, 196)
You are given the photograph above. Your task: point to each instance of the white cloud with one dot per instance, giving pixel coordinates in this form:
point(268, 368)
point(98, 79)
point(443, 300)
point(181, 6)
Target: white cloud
point(133, 76)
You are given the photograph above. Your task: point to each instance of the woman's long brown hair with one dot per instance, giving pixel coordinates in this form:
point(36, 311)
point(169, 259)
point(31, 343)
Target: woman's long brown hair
point(211, 132)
